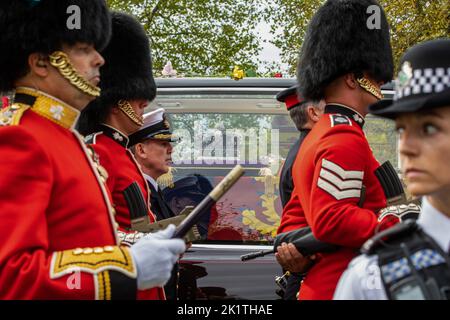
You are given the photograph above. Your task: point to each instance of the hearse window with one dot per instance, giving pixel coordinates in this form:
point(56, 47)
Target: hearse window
point(220, 131)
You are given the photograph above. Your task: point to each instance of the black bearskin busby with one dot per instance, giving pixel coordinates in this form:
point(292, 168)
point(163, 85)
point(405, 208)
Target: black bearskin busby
point(339, 41)
point(41, 26)
point(126, 74)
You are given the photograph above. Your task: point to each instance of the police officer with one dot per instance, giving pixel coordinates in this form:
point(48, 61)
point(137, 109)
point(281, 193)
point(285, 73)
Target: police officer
point(411, 260)
point(344, 62)
point(56, 213)
point(304, 114)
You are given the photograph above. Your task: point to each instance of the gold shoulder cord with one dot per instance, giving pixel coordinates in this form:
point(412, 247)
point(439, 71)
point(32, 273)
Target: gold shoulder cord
point(126, 108)
point(61, 61)
point(369, 87)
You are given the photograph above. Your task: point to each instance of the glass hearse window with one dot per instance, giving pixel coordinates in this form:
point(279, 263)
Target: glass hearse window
point(254, 130)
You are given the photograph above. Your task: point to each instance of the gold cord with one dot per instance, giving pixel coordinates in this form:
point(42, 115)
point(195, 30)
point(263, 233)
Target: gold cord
point(126, 108)
point(369, 87)
point(61, 61)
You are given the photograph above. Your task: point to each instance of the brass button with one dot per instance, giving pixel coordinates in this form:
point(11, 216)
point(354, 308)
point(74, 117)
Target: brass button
point(77, 251)
point(88, 251)
point(98, 250)
point(108, 249)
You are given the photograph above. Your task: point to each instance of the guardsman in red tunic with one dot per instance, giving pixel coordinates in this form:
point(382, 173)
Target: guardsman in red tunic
point(345, 62)
point(58, 231)
point(127, 88)
point(305, 115)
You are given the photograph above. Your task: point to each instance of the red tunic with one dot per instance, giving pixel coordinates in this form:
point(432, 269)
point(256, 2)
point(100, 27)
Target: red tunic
point(110, 145)
point(336, 166)
point(56, 217)
point(293, 216)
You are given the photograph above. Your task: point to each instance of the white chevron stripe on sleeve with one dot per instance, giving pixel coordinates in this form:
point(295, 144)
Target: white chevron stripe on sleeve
point(341, 184)
point(344, 174)
point(335, 192)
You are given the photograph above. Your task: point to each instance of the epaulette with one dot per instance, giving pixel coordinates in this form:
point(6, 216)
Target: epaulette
point(384, 237)
point(339, 119)
point(91, 138)
point(11, 115)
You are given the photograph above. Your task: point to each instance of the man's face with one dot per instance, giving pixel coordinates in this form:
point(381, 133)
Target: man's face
point(424, 144)
point(155, 156)
point(87, 62)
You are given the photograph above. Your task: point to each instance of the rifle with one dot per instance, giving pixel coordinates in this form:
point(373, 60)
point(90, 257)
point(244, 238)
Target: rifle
point(303, 239)
point(140, 221)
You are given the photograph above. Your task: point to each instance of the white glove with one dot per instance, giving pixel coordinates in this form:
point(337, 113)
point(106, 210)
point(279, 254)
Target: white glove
point(155, 255)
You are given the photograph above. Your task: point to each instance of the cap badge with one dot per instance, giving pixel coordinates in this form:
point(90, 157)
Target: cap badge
point(405, 75)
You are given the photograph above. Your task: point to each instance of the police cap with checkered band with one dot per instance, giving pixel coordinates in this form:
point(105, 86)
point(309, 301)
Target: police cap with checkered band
point(423, 81)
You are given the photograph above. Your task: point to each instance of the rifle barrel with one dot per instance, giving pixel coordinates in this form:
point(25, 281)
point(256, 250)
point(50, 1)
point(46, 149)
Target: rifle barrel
point(254, 255)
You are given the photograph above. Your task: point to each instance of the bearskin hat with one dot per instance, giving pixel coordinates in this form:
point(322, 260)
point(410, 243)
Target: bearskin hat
point(339, 41)
point(29, 26)
point(126, 74)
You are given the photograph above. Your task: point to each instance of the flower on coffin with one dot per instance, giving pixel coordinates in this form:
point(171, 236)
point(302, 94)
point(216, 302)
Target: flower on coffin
point(169, 71)
point(237, 74)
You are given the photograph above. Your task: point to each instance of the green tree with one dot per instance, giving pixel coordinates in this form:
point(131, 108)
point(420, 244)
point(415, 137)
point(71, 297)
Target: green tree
point(415, 21)
point(289, 20)
point(199, 37)
point(411, 21)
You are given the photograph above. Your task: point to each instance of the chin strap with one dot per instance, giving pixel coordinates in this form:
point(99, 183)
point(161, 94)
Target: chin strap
point(369, 87)
point(126, 108)
point(61, 61)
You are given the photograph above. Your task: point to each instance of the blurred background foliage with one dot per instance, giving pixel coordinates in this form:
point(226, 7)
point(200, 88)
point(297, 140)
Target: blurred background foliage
point(411, 21)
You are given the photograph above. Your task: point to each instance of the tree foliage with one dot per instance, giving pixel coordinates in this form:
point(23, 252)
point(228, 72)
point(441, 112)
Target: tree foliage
point(289, 20)
point(415, 21)
point(411, 21)
point(199, 37)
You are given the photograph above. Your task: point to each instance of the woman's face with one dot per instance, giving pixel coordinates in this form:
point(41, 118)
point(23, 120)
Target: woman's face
point(424, 143)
